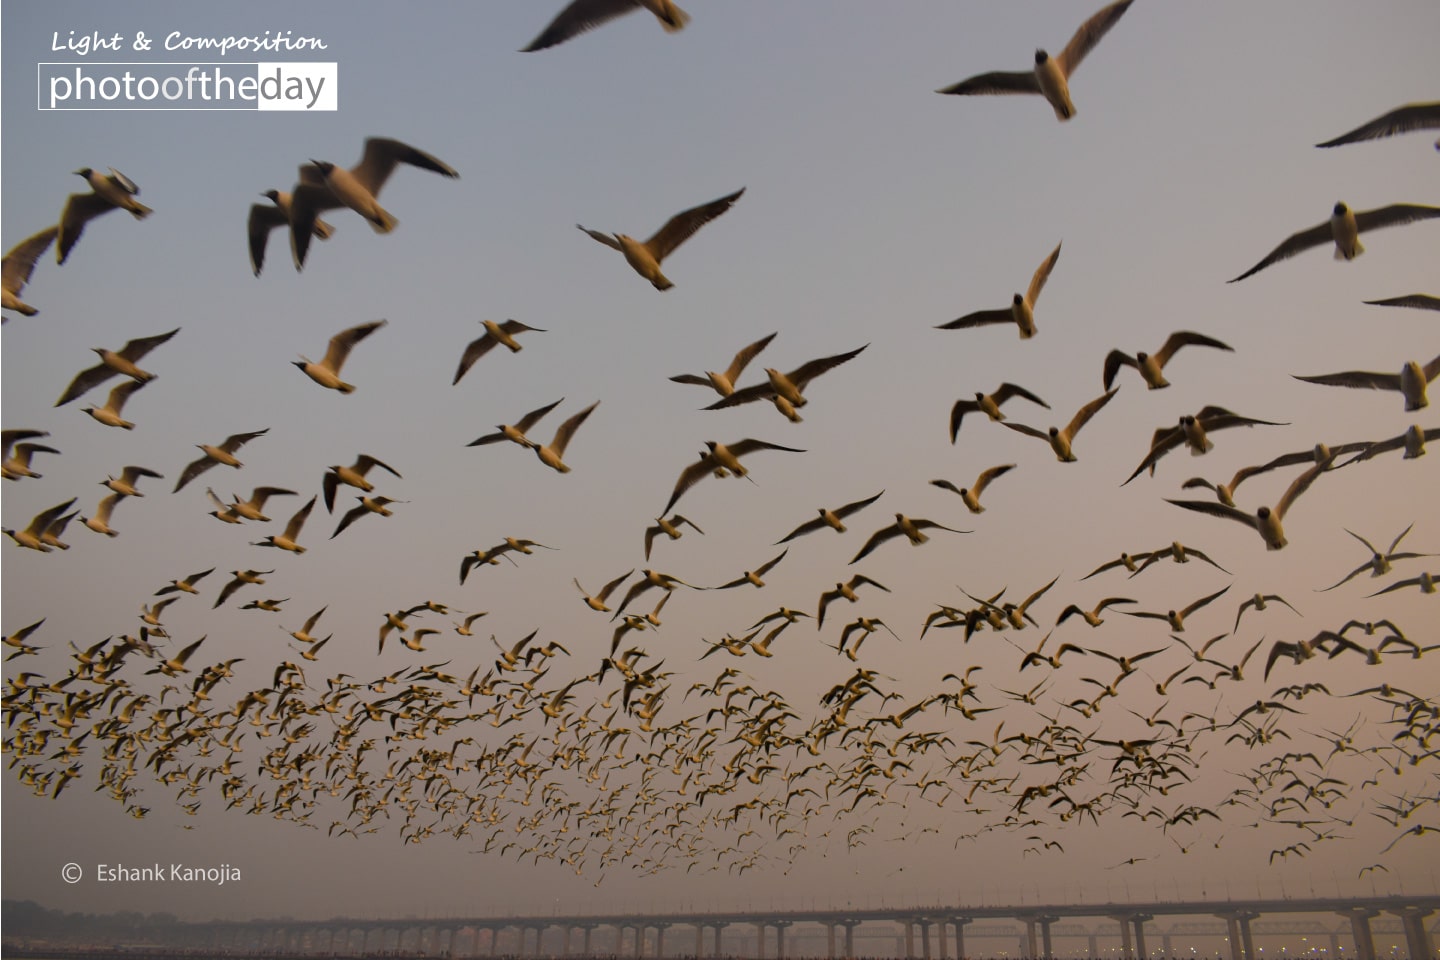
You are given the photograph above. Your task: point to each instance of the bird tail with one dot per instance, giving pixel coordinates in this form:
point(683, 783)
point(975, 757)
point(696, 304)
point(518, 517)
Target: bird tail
point(384, 221)
point(322, 230)
point(1341, 254)
point(138, 210)
point(661, 282)
point(675, 18)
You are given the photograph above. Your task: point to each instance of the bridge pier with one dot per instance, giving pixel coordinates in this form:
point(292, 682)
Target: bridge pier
point(944, 940)
point(1242, 943)
point(760, 940)
point(780, 926)
point(719, 928)
point(660, 938)
point(909, 925)
point(924, 924)
point(1139, 921)
point(960, 923)
point(850, 926)
point(1417, 937)
point(1127, 947)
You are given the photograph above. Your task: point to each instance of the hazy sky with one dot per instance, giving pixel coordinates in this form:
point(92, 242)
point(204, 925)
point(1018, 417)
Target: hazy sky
point(873, 211)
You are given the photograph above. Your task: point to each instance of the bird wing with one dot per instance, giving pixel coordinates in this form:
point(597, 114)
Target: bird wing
point(1358, 379)
point(1114, 360)
point(19, 263)
point(803, 374)
point(996, 82)
point(364, 462)
point(1418, 301)
point(237, 440)
point(292, 529)
point(79, 208)
point(742, 359)
point(263, 219)
point(604, 238)
point(1300, 485)
point(1412, 116)
point(1165, 440)
point(1042, 273)
point(679, 228)
point(980, 318)
point(1394, 215)
point(1008, 390)
point(1297, 243)
point(474, 350)
point(809, 526)
point(1027, 430)
point(85, 380)
point(1216, 509)
point(750, 446)
point(983, 481)
point(382, 155)
point(120, 393)
point(1083, 415)
point(1183, 338)
point(577, 18)
point(877, 538)
point(193, 470)
point(688, 478)
point(1089, 34)
point(342, 342)
point(1202, 601)
point(137, 348)
point(759, 391)
point(957, 414)
point(568, 428)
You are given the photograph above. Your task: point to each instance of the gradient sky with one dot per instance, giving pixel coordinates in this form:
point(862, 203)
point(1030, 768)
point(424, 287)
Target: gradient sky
point(874, 210)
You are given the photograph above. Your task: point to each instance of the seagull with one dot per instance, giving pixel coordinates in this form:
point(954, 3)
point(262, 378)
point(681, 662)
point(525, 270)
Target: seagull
point(671, 529)
point(224, 453)
point(1410, 381)
point(724, 383)
point(238, 579)
point(1426, 582)
point(287, 540)
point(1176, 619)
point(786, 389)
point(1344, 228)
point(1060, 440)
point(31, 536)
point(847, 591)
point(16, 464)
point(327, 371)
point(1259, 602)
point(1319, 453)
point(829, 518)
point(18, 265)
point(253, 509)
point(912, 529)
point(109, 414)
point(1412, 116)
point(185, 586)
point(380, 505)
point(1092, 617)
point(115, 363)
point(1150, 365)
point(100, 522)
point(176, 664)
point(263, 220)
point(753, 576)
point(516, 433)
point(324, 186)
point(1267, 522)
point(1021, 311)
point(989, 404)
point(1051, 75)
point(125, 483)
point(1412, 441)
point(971, 495)
point(646, 257)
point(106, 194)
point(1178, 552)
point(583, 15)
point(1417, 301)
point(720, 456)
point(597, 602)
point(501, 333)
point(353, 475)
point(551, 455)
point(1379, 563)
point(1193, 432)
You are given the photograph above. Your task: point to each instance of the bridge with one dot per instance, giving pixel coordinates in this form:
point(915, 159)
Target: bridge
point(913, 933)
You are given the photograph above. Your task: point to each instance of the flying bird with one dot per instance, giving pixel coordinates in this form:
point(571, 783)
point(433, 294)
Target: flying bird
point(18, 265)
point(829, 518)
point(1410, 382)
point(671, 529)
point(324, 186)
point(289, 539)
point(380, 505)
point(724, 383)
point(1021, 311)
point(106, 194)
point(353, 475)
point(1061, 440)
point(1379, 563)
point(1151, 365)
point(31, 536)
point(551, 455)
point(1416, 301)
point(115, 363)
point(15, 457)
point(1193, 431)
point(1412, 116)
point(583, 15)
point(645, 258)
point(263, 220)
point(129, 476)
point(1344, 228)
point(501, 333)
point(516, 433)
point(110, 413)
point(327, 371)
point(720, 457)
point(1051, 75)
point(786, 390)
point(971, 495)
point(1265, 521)
point(912, 529)
point(224, 453)
point(989, 404)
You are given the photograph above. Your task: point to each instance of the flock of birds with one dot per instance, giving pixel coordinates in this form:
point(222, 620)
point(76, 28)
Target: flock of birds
point(594, 754)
